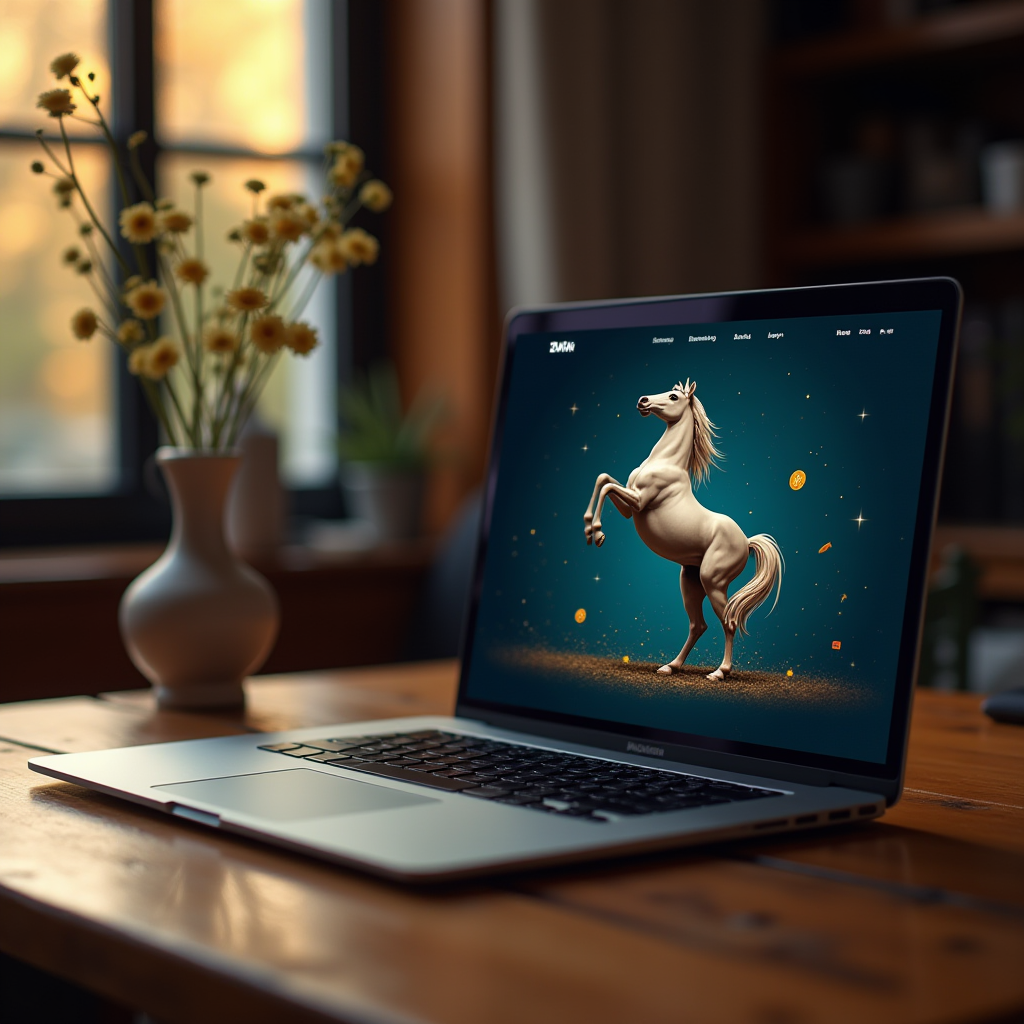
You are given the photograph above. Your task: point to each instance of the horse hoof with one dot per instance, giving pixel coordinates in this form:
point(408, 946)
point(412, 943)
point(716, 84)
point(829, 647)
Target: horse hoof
point(718, 675)
point(665, 670)
point(599, 538)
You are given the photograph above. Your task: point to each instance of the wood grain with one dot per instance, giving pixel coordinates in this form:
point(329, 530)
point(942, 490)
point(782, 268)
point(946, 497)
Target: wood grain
point(887, 921)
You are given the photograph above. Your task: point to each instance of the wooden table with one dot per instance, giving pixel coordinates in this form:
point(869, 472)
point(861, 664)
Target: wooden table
point(918, 917)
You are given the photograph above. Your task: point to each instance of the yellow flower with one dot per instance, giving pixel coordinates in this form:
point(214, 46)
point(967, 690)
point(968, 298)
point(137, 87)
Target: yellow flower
point(176, 221)
point(268, 333)
point(146, 300)
point(255, 185)
point(131, 283)
point(84, 324)
point(347, 166)
point(136, 139)
point(331, 230)
point(137, 360)
point(328, 258)
point(301, 338)
point(64, 64)
point(288, 226)
point(130, 332)
point(192, 271)
point(138, 223)
point(308, 213)
point(160, 357)
point(280, 202)
point(256, 231)
point(217, 338)
point(72, 254)
point(164, 204)
point(359, 247)
point(57, 102)
point(246, 300)
point(375, 196)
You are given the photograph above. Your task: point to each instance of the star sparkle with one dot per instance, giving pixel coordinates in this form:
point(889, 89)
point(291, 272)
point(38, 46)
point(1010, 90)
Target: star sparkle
point(585, 449)
point(574, 408)
point(863, 415)
point(860, 520)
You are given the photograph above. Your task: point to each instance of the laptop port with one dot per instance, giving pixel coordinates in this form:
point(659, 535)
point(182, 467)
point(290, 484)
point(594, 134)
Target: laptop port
point(806, 819)
point(863, 811)
point(771, 824)
point(838, 815)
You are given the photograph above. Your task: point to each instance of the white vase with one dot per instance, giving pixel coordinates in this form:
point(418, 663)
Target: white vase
point(198, 620)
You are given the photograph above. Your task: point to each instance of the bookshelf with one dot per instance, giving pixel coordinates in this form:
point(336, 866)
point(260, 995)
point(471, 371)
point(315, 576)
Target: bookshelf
point(875, 140)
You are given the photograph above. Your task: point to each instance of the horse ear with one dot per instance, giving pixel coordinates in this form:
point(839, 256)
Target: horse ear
point(692, 388)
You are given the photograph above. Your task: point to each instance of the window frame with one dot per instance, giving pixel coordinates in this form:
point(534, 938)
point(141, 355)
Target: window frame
point(138, 510)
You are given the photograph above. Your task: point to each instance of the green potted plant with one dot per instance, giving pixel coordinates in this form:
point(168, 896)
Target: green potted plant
point(385, 452)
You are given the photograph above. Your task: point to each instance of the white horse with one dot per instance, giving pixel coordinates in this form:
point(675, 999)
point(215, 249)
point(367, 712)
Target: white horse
point(711, 549)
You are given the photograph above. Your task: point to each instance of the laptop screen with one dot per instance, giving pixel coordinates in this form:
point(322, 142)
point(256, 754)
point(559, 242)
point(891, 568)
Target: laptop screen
point(703, 531)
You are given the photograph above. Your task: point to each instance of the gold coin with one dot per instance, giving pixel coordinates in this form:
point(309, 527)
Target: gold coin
point(797, 479)
point(581, 614)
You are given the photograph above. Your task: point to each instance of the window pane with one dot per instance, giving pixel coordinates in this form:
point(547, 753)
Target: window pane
point(33, 33)
point(249, 74)
point(57, 432)
point(300, 400)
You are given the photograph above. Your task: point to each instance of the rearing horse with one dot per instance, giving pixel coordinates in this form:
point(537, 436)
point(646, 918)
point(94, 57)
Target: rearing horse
point(711, 549)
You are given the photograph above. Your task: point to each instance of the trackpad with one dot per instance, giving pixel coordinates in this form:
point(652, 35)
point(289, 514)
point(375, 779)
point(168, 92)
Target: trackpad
point(293, 794)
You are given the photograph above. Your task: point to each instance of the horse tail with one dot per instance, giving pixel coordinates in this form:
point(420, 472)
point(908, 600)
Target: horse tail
point(768, 569)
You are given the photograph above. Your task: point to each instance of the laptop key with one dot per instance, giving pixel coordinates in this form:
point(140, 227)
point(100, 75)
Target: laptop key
point(302, 751)
point(406, 775)
point(486, 792)
point(280, 748)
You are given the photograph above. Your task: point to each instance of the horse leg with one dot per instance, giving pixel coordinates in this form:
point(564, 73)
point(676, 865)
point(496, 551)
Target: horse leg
point(627, 496)
point(719, 596)
point(588, 516)
point(693, 601)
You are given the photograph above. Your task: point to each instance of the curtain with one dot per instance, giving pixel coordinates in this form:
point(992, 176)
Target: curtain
point(626, 147)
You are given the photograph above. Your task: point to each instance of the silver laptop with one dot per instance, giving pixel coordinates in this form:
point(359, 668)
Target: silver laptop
point(696, 608)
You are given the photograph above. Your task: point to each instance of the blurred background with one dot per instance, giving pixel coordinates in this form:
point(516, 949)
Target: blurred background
point(539, 150)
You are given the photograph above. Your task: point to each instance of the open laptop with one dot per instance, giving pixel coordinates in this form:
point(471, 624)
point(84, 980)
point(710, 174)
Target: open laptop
point(696, 610)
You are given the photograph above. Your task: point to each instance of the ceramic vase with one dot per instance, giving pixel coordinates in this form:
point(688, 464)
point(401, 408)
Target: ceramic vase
point(199, 620)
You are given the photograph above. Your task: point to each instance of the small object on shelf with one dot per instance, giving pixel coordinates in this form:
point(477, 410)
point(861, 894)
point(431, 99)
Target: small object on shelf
point(1002, 176)
point(1007, 706)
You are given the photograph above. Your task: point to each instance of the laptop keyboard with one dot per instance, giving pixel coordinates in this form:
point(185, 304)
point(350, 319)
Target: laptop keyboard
point(544, 780)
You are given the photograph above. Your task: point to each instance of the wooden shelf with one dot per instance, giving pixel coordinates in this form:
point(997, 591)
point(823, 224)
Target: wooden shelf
point(964, 28)
point(957, 232)
point(999, 553)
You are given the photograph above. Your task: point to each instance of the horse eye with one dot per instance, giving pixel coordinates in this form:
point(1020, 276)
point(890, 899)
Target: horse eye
point(674, 397)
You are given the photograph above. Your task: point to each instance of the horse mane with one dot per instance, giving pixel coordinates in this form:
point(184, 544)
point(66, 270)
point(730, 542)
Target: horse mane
point(704, 454)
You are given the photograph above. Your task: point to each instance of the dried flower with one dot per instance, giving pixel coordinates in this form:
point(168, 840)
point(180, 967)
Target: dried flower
point(138, 223)
point(37, 167)
point(288, 226)
point(160, 357)
point(132, 282)
point(256, 231)
point(192, 271)
point(64, 64)
point(375, 196)
point(268, 262)
point(347, 166)
point(199, 178)
point(246, 300)
point(57, 102)
point(72, 254)
point(328, 258)
point(268, 333)
point(164, 204)
point(85, 230)
point(280, 202)
point(84, 324)
point(359, 247)
point(301, 338)
point(136, 139)
point(85, 267)
point(176, 221)
point(146, 300)
point(255, 185)
point(137, 360)
point(331, 231)
point(234, 235)
point(64, 186)
point(308, 213)
point(217, 338)
point(130, 332)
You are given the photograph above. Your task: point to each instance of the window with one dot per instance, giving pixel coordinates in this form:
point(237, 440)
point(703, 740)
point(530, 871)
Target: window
point(240, 88)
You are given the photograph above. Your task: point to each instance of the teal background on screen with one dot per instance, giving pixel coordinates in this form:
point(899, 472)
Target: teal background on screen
point(779, 406)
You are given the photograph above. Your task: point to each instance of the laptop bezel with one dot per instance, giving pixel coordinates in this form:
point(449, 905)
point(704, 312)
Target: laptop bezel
point(913, 295)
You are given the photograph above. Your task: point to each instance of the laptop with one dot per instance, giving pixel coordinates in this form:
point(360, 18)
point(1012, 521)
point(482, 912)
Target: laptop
point(696, 608)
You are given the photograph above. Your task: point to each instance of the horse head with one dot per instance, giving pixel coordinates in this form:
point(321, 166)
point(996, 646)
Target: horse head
point(669, 406)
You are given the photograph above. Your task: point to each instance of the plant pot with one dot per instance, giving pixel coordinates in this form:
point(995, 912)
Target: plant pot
point(198, 620)
point(389, 499)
